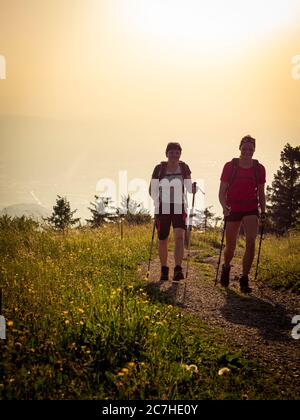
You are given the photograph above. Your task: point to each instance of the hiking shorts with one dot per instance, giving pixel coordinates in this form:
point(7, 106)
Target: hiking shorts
point(238, 216)
point(164, 222)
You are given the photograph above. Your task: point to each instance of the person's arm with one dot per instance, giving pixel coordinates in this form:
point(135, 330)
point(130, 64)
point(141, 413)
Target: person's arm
point(222, 197)
point(154, 189)
point(261, 192)
point(190, 187)
point(262, 198)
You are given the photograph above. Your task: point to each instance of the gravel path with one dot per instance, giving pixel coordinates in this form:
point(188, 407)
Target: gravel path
point(257, 326)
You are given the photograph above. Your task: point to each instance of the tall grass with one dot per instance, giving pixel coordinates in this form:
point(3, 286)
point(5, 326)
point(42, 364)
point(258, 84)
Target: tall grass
point(280, 263)
point(80, 324)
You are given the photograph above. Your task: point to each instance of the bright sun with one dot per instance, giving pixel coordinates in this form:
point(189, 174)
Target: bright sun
point(205, 23)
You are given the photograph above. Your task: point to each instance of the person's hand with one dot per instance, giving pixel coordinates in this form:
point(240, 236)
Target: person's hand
point(194, 188)
point(226, 211)
point(263, 217)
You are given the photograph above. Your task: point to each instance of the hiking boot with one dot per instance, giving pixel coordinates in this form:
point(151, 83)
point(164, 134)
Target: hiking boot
point(244, 284)
point(164, 273)
point(178, 274)
point(225, 276)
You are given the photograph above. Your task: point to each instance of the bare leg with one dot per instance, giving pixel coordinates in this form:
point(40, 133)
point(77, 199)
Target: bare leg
point(232, 231)
point(163, 252)
point(250, 224)
point(179, 245)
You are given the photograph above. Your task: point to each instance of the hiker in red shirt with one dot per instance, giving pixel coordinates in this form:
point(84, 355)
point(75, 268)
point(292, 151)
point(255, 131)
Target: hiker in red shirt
point(169, 184)
point(242, 196)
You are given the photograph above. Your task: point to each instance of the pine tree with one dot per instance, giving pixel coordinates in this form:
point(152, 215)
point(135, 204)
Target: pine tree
point(102, 212)
point(133, 212)
point(62, 216)
point(203, 218)
point(208, 216)
point(284, 195)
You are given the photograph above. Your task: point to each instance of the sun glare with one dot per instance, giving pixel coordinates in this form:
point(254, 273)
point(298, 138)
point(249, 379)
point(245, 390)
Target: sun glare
point(213, 23)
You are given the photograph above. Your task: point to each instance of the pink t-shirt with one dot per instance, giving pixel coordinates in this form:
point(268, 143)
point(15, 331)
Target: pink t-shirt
point(242, 194)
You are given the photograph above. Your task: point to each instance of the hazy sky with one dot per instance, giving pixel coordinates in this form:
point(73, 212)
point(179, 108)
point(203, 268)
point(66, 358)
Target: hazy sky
point(94, 87)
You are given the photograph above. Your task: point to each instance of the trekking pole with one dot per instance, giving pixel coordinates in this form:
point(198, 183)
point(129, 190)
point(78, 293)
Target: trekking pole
point(151, 248)
point(221, 249)
point(259, 249)
point(190, 232)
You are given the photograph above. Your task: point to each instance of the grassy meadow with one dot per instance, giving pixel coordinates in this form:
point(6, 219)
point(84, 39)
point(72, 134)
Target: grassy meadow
point(82, 324)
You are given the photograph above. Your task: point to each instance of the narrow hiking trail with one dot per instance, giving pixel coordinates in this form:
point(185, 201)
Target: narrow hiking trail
point(258, 326)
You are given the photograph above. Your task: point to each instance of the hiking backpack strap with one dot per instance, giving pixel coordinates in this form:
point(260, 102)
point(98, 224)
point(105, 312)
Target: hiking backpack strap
point(183, 170)
point(256, 171)
point(235, 167)
point(163, 169)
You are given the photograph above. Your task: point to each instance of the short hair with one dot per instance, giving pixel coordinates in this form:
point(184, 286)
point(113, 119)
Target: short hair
point(173, 146)
point(248, 139)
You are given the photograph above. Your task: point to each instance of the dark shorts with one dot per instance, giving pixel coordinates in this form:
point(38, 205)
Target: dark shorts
point(164, 222)
point(238, 217)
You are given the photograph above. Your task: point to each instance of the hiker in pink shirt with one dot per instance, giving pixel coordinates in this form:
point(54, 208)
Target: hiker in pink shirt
point(242, 196)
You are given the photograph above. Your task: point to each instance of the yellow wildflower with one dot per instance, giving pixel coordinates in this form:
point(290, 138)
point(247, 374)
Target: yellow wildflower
point(192, 368)
point(223, 371)
point(131, 364)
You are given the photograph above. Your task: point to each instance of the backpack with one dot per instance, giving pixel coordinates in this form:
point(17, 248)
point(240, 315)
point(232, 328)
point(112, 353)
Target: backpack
point(162, 169)
point(235, 167)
